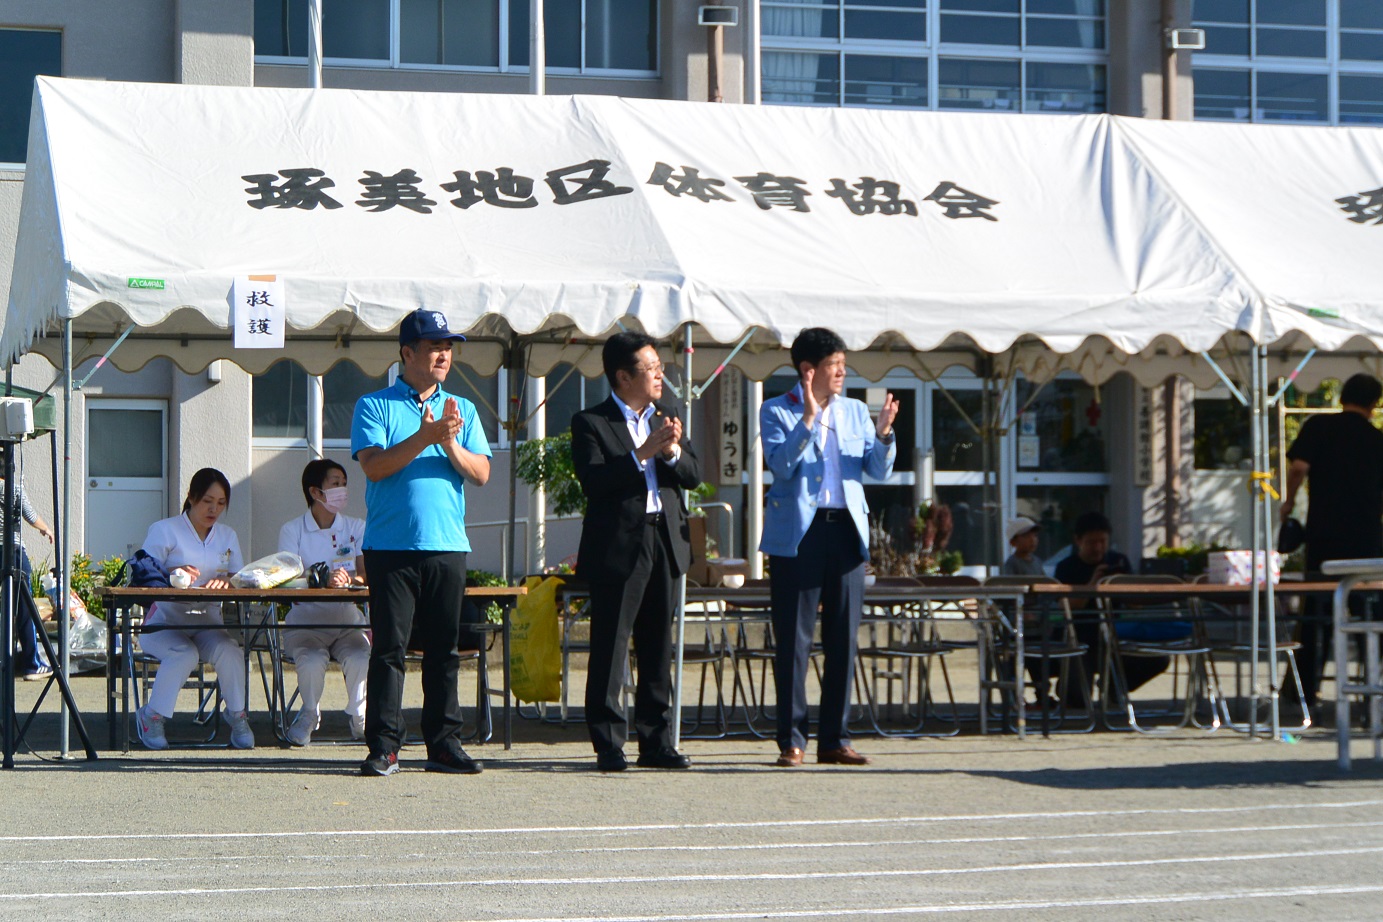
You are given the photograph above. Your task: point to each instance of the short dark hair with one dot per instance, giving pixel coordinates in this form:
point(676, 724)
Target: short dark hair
point(813, 345)
point(1087, 522)
point(315, 474)
point(202, 481)
point(1361, 390)
point(619, 351)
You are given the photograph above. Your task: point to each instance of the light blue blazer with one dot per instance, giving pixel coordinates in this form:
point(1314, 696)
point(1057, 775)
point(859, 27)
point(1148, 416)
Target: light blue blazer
point(797, 466)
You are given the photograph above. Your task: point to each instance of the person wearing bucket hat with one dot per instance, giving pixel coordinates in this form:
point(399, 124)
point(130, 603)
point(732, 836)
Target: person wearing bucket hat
point(418, 446)
point(1339, 457)
point(1022, 534)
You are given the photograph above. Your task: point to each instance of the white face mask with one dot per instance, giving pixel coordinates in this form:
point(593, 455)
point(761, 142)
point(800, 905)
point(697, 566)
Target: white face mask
point(334, 500)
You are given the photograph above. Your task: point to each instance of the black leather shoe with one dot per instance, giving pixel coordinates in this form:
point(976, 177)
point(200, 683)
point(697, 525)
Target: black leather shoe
point(611, 760)
point(667, 757)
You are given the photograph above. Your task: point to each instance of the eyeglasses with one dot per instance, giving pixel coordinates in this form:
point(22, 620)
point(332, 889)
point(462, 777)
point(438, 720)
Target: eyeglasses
point(656, 370)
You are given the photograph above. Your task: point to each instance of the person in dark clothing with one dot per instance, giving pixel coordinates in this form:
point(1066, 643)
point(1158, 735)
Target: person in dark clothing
point(1339, 456)
point(1090, 561)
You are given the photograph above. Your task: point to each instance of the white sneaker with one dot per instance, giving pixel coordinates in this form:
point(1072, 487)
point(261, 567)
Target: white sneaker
point(241, 737)
point(149, 725)
point(300, 730)
point(358, 727)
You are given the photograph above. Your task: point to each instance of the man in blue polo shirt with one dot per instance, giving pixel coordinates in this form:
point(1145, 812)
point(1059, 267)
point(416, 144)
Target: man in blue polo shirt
point(417, 445)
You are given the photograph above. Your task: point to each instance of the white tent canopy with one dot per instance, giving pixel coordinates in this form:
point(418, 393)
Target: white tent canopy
point(905, 231)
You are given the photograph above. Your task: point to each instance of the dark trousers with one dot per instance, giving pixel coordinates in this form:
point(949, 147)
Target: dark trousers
point(417, 596)
point(827, 573)
point(640, 605)
point(28, 659)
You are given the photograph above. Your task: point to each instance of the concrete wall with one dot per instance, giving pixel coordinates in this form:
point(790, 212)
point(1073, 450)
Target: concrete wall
point(1135, 51)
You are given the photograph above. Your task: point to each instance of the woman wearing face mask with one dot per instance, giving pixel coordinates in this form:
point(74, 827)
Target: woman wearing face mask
point(323, 534)
point(207, 552)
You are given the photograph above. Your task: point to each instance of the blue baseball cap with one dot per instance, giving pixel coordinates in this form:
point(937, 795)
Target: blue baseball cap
point(426, 324)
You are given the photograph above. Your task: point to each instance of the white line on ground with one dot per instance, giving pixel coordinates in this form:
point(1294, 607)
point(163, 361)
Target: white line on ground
point(1202, 860)
point(757, 846)
point(1004, 906)
point(663, 827)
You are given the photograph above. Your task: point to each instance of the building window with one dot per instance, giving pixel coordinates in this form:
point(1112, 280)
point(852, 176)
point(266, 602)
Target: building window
point(996, 55)
point(280, 401)
point(1318, 62)
point(583, 36)
point(24, 55)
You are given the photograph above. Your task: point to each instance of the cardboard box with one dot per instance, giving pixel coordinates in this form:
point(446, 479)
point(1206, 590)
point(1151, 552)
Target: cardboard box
point(1233, 568)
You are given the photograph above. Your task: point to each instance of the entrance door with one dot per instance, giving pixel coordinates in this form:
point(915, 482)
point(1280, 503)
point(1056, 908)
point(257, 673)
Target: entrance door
point(126, 473)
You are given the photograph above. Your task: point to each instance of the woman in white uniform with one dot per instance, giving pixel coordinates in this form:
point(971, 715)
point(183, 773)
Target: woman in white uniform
point(209, 553)
point(324, 535)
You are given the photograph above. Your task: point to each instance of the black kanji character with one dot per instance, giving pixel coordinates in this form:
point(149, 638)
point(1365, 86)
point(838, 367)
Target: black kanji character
point(298, 190)
point(593, 185)
point(261, 326)
point(690, 182)
point(783, 191)
point(502, 189)
point(1364, 207)
point(870, 195)
point(961, 203)
point(384, 192)
point(256, 298)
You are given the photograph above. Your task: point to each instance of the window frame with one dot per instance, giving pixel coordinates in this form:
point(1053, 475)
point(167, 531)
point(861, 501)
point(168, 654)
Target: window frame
point(504, 66)
point(1332, 67)
point(932, 50)
point(20, 166)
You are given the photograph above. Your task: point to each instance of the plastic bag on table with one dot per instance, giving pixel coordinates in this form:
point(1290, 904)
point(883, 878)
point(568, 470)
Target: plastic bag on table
point(535, 646)
point(268, 572)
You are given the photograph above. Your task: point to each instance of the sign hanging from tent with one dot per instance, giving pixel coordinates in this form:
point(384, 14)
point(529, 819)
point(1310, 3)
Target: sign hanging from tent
point(259, 311)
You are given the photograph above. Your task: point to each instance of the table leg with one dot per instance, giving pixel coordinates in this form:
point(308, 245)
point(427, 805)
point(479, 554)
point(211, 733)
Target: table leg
point(508, 715)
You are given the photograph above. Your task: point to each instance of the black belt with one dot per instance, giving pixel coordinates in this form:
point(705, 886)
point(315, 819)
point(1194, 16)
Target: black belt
point(654, 518)
point(833, 515)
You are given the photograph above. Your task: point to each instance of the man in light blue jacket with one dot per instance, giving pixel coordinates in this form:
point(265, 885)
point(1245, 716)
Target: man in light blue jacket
point(819, 445)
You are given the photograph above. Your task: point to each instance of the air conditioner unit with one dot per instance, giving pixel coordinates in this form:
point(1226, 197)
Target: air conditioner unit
point(1186, 39)
point(718, 16)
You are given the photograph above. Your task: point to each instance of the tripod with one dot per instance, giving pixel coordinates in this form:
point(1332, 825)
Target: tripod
point(16, 600)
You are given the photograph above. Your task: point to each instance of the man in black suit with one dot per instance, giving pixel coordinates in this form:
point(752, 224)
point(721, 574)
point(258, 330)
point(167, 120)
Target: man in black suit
point(633, 464)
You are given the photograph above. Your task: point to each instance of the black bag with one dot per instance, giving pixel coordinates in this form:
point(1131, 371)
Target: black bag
point(319, 575)
point(1290, 536)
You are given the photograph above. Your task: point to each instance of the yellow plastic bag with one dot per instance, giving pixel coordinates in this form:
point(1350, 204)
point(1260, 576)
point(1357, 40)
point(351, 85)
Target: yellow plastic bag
point(535, 656)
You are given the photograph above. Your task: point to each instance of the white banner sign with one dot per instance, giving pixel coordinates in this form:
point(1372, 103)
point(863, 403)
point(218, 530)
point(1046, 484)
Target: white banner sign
point(731, 435)
point(259, 311)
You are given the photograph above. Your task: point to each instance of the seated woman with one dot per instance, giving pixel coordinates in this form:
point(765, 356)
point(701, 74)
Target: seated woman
point(324, 535)
point(208, 552)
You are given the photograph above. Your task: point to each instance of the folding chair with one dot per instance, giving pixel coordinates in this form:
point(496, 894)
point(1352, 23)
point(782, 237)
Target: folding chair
point(901, 650)
point(1173, 632)
point(1050, 638)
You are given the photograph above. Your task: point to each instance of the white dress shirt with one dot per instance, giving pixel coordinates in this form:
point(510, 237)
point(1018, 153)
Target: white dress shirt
point(337, 546)
point(832, 492)
point(175, 543)
point(639, 431)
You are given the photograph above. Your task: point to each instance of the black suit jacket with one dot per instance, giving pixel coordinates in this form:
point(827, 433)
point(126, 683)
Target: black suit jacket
point(617, 494)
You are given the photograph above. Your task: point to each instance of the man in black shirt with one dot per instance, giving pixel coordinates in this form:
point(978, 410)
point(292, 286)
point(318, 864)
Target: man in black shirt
point(1090, 561)
point(1340, 456)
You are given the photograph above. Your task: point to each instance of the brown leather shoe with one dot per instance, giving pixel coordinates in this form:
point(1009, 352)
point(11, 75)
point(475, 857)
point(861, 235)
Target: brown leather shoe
point(842, 756)
point(790, 757)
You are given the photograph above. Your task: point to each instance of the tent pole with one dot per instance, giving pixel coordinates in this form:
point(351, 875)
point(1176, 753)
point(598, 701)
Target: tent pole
point(1269, 598)
point(64, 581)
point(681, 619)
point(1256, 544)
point(509, 420)
point(537, 496)
point(753, 462)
